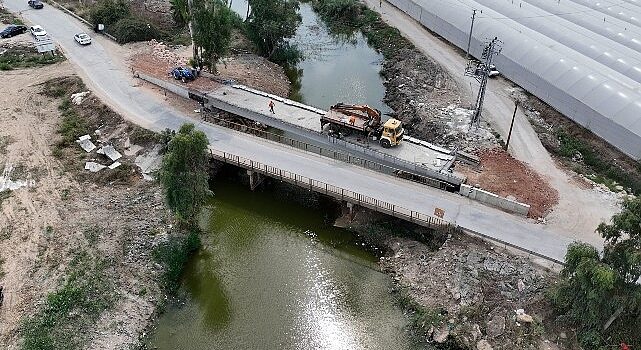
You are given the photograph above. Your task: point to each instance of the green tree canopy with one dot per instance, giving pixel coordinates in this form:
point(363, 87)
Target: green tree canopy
point(270, 22)
point(184, 172)
point(600, 293)
point(212, 27)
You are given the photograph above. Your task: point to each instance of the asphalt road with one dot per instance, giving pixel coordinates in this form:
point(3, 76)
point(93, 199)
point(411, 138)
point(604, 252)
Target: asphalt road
point(110, 79)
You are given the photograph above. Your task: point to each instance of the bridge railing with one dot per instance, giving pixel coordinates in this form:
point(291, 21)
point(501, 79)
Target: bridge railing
point(330, 153)
point(336, 192)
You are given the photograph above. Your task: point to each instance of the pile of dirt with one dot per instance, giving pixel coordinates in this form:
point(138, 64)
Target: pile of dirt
point(506, 176)
point(472, 292)
point(158, 59)
point(425, 97)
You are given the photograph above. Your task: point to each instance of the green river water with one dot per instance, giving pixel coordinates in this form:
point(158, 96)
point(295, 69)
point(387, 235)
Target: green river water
point(273, 275)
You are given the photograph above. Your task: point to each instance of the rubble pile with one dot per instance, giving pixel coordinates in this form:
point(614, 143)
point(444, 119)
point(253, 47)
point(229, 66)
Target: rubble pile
point(487, 299)
point(161, 51)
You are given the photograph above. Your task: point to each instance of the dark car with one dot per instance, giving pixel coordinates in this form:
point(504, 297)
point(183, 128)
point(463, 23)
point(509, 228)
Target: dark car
point(36, 4)
point(13, 30)
point(183, 73)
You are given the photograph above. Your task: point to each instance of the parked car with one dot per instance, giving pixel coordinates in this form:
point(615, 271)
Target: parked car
point(183, 74)
point(493, 71)
point(13, 30)
point(36, 4)
point(82, 38)
point(37, 31)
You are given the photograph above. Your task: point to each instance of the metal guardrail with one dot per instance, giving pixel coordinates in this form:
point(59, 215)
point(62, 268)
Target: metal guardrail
point(400, 163)
point(336, 192)
point(344, 157)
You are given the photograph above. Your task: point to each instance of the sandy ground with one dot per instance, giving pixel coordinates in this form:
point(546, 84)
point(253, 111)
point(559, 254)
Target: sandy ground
point(44, 225)
point(248, 69)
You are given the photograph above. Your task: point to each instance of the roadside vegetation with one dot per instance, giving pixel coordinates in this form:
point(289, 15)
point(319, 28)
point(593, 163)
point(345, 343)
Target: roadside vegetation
point(599, 293)
point(184, 177)
point(7, 17)
point(19, 57)
point(85, 293)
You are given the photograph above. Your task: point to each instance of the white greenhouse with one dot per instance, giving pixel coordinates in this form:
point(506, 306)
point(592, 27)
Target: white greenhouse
point(582, 57)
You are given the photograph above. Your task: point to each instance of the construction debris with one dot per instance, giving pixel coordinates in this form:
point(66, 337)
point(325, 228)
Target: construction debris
point(78, 97)
point(115, 165)
point(94, 167)
point(110, 152)
point(6, 184)
point(86, 144)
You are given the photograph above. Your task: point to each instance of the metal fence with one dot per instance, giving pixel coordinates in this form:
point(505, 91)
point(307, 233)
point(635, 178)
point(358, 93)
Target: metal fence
point(336, 192)
point(337, 155)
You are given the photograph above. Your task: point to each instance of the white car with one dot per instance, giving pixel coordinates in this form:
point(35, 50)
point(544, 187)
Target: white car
point(82, 38)
point(493, 71)
point(37, 31)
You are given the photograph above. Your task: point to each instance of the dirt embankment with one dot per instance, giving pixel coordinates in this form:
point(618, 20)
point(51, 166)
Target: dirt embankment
point(461, 292)
point(506, 176)
point(77, 246)
point(158, 59)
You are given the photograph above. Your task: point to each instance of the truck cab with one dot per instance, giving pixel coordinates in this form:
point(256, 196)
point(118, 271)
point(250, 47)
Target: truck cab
point(392, 133)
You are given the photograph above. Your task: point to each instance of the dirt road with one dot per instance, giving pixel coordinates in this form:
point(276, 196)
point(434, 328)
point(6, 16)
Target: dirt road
point(579, 210)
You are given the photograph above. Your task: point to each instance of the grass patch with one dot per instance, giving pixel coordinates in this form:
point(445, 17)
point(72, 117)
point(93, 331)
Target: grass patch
point(421, 319)
point(7, 17)
point(5, 141)
point(17, 57)
point(597, 168)
point(69, 312)
point(173, 254)
point(4, 195)
point(2, 274)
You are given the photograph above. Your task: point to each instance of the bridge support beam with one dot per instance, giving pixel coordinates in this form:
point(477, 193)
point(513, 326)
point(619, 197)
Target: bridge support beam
point(255, 179)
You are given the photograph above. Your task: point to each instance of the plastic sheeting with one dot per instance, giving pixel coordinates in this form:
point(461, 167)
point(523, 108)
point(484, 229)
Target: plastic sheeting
point(582, 57)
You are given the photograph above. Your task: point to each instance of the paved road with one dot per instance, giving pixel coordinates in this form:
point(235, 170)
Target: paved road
point(579, 210)
point(109, 78)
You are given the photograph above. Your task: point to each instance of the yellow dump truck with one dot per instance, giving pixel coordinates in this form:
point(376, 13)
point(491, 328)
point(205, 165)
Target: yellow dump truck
point(344, 118)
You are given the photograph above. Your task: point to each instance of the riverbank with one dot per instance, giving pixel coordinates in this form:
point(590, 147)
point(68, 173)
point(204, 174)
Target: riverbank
point(77, 246)
point(461, 292)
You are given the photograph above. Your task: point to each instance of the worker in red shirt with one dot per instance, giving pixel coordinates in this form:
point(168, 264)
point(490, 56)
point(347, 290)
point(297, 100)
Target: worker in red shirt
point(624, 346)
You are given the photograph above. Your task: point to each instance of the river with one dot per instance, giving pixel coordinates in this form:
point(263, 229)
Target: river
point(272, 274)
point(334, 68)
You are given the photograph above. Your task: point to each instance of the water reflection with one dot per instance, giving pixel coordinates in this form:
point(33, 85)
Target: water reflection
point(337, 66)
point(272, 275)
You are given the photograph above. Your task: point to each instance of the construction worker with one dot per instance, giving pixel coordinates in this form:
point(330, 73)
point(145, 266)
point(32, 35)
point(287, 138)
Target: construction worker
point(624, 346)
point(271, 106)
point(352, 120)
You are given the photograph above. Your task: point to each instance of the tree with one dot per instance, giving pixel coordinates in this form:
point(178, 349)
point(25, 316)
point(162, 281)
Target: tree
point(270, 22)
point(181, 12)
point(184, 172)
point(108, 12)
point(213, 22)
point(600, 293)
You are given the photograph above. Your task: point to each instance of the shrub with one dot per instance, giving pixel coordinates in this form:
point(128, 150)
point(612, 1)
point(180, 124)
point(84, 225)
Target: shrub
point(173, 255)
point(132, 29)
point(108, 12)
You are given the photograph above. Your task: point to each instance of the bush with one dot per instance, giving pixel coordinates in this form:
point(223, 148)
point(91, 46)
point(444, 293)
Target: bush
point(132, 29)
point(173, 255)
point(109, 12)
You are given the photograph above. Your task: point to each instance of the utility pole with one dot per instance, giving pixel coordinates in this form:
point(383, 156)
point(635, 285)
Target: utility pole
point(469, 38)
point(480, 71)
point(509, 134)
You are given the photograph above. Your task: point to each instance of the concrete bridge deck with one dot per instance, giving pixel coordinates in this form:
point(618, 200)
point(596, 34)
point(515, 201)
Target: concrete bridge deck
point(109, 78)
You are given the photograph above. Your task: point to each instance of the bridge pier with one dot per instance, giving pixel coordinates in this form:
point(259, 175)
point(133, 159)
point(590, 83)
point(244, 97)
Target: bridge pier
point(255, 179)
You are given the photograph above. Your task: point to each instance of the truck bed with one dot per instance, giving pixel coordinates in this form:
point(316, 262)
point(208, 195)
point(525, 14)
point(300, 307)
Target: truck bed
point(343, 120)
